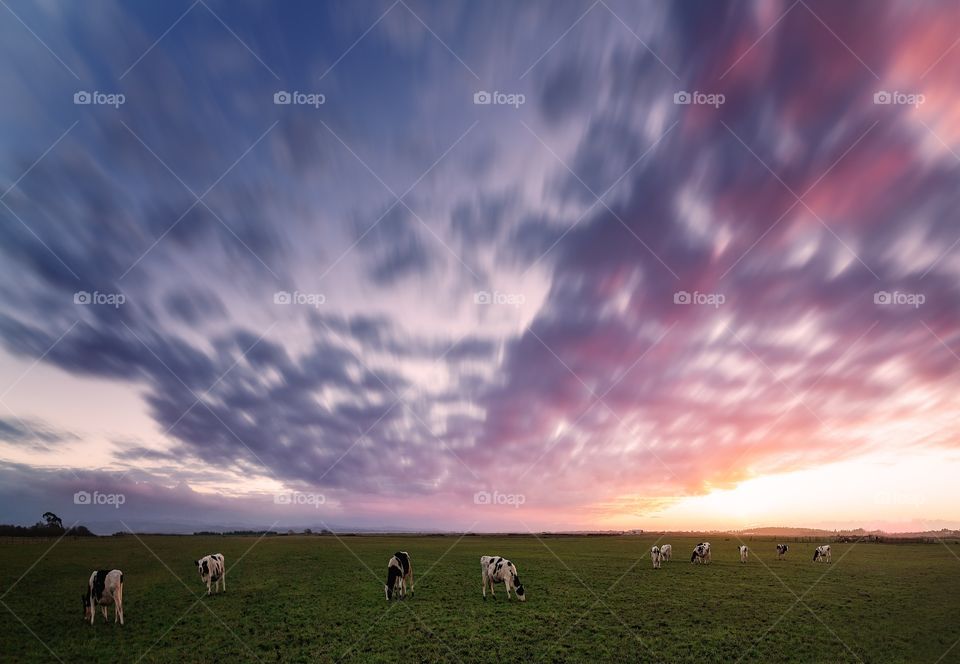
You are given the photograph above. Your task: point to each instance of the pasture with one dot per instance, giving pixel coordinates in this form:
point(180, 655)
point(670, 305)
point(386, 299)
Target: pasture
point(313, 599)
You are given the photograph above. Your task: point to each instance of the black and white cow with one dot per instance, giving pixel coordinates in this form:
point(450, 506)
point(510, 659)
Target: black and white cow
point(699, 553)
point(399, 571)
point(666, 551)
point(494, 569)
point(213, 570)
point(104, 588)
point(782, 551)
point(822, 554)
point(744, 553)
point(656, 555)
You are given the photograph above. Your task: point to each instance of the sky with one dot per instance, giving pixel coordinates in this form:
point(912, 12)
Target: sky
point(480, 266)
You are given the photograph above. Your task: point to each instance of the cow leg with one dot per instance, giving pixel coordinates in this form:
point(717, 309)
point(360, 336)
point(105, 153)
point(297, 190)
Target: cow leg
point(103, 609)
point(411, 578)
point(506, 584)
point(483, 580)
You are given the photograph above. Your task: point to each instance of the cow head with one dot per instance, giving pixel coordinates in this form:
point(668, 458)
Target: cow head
point(518, 588)
point(394, 579)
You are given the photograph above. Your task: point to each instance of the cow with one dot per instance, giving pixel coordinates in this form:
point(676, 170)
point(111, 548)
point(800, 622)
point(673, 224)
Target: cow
point(399, 572)
point(213, 570)
point(104, 588)
point(744, 553)
point(656, 555)
point(822, 554)
point(666, 551)
point(699, 554)
point(782, 551)
point(494, 569)
point(704, 548)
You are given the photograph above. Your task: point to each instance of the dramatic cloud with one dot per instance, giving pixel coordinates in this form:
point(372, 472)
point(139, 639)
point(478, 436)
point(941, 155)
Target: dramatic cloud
point(608, 258)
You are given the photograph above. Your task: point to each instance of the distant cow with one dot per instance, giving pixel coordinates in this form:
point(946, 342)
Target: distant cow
point(656, 555)
point(103, 589)
point(494, 569)
point(213, 570)
point(822, 554)
point(782, 551)
point(744, 553)
point(666, 551)
point(399, 572)
point(699, 554)
point(704, 548)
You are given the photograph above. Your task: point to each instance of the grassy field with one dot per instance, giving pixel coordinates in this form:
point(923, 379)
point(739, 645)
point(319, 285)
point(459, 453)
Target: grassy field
point(320, 599)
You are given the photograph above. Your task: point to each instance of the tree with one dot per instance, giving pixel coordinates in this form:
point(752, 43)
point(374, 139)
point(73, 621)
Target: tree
point(53, 520)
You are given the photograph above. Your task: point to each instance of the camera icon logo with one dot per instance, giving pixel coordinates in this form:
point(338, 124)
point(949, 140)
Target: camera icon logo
point(283, 499)
point(282, 97)
point(681, 97)
point(82, 97)
point(81, 498)
point(482, 297)
point(482, 498)
point(482, 97)
point(282, 297)
point(882, 297)
point(81, 297)
point(882, 97)
point(681, 297)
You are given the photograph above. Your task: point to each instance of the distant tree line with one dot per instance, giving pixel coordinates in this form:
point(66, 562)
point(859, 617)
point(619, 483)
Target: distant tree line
point(50, 526)
point(259, 533)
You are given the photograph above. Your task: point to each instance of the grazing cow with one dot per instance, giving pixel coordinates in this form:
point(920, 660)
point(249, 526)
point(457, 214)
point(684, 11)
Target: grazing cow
point(399, 571)
point(666, 552)
point(744, 553)
point(103, 589)
point(704, 552)
point(213, 570)
point(782, 551)
point(822, 554)
point(656, 555)
point(495, 569)
point(699, 554)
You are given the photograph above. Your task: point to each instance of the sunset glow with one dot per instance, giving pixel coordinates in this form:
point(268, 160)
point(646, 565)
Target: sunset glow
point(673, 268)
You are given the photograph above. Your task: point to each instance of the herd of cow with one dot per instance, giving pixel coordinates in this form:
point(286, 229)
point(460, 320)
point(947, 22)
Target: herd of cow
point(701, 553)
point(105, 587)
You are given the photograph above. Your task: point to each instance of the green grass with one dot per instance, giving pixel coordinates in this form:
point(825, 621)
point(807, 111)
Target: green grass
point(312, 599)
